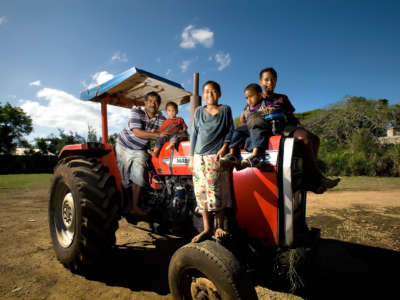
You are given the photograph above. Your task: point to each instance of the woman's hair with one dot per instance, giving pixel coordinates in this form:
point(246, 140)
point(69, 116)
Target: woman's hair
point(254, 87)
point(173, 104)
point(214, 84)
point(270, 70)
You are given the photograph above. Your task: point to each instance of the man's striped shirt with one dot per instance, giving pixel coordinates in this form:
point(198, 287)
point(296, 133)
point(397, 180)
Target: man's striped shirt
point(139, 120)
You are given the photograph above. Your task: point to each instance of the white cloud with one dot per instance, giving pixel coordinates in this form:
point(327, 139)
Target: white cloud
point(169, 71)
point(192, 36)
point(119, 56)
point(185, 65)
point(158, 59)
point(35, 83)
point(97, 78)
point(63, 110)
point(3, 20)
point(223, 60)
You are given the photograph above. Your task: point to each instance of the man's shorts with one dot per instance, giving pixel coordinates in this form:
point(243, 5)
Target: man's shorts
point(132, 165)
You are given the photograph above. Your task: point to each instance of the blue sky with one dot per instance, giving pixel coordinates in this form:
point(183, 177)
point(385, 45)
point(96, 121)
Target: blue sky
point(323, 50)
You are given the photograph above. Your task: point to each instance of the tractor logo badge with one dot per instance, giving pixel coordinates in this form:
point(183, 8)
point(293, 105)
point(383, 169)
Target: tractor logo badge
point(177, 161)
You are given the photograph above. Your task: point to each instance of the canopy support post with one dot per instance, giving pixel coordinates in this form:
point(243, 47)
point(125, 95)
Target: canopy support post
point(195, 99)
point(104, 124)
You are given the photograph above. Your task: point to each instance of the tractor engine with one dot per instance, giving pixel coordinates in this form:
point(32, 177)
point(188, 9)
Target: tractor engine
point(172, 203)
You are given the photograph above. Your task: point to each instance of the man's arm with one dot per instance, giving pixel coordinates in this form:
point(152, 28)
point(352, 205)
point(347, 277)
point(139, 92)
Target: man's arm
point(147, 135)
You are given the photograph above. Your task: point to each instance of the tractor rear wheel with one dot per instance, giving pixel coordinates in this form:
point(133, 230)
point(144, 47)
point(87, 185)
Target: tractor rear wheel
point(83, 212)
point(208, 270)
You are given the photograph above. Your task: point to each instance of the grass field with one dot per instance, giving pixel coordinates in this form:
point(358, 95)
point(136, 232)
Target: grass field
point(358, 183)
point(24, 181)
point(363, 183)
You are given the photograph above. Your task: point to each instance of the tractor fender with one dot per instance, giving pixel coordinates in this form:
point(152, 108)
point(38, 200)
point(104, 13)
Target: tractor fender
point(103, 153)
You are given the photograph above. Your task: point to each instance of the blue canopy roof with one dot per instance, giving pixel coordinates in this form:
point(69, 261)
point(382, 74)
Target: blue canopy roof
point(130, 87)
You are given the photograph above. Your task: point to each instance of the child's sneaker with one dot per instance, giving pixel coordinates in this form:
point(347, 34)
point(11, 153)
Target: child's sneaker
point(253, 161)
point(229, 161)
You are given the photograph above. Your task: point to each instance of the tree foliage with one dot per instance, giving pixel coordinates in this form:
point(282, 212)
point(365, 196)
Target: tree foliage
point(349, 131)
point(53, 144)
point(351, 116)
point(14, 124)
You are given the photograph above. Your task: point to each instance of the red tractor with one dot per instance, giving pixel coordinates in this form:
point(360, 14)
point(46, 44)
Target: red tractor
point(267, 220)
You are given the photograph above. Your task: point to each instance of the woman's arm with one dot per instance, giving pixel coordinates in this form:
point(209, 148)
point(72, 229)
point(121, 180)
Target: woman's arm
point(193, 136)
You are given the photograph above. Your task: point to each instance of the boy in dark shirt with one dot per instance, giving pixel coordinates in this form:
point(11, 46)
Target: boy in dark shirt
point(317, 182)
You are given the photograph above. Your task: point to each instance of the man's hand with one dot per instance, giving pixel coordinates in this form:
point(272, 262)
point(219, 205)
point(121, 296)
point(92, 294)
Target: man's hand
point(162, 133)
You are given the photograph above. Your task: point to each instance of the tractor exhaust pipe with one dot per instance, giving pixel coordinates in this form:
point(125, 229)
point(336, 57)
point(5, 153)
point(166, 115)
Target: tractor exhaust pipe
point(195, 99)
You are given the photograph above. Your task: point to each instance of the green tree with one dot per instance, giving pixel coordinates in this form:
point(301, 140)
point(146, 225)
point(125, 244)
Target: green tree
point(350, 116)
point(53, 144)
point(92, 135)
point(112, 139)
point(349, 132)
point(394, 116)
point(14, 124)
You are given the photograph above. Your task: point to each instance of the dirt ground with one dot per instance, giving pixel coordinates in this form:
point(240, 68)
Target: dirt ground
point(359, 252)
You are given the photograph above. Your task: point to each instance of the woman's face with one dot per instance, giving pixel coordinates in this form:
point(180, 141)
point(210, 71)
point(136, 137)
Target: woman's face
point(211, 94)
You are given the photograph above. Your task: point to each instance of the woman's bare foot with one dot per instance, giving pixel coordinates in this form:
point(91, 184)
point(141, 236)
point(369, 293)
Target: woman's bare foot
point(220, 233)
point(202, 236)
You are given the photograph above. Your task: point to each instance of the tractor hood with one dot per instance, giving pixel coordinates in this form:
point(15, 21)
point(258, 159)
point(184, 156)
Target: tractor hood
point(130, 87)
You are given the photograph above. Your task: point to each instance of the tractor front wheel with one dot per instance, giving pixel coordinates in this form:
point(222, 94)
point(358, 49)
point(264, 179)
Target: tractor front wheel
point(207, 270)
point(83, 212)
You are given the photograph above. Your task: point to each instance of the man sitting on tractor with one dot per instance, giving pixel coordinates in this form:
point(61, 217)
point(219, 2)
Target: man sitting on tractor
point(132, 145)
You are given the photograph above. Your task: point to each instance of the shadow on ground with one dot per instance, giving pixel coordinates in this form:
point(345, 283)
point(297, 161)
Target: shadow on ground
point(339, 270)
point(342, 270)
point(138, 266)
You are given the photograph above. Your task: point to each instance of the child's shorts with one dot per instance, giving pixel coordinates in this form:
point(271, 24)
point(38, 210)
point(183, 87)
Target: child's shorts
point(211, 187)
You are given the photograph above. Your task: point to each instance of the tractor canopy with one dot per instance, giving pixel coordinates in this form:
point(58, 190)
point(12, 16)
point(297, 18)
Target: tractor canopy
point(130, 87)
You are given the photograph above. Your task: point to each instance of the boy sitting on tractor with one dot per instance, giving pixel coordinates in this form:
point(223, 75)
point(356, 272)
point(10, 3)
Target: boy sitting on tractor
point(175, 126)
point(260, 119)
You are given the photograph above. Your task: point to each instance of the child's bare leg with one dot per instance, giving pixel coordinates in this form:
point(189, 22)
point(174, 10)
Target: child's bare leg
point(207, 231)
point(155, 152)
point(256, 151)
point(219, 231)
point(172, 141)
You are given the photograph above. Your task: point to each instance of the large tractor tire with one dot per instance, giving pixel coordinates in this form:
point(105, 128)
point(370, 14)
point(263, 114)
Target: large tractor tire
point(207, 270)
point(83, 212)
